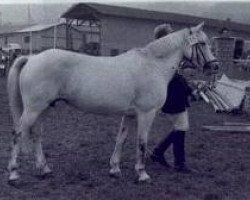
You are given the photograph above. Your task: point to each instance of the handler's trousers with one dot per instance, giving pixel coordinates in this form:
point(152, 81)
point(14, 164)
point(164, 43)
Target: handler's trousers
point(176, 137)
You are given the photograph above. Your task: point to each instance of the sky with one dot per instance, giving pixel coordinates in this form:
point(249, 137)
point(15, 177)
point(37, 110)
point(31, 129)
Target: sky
point(108, 1)
point(42, 11)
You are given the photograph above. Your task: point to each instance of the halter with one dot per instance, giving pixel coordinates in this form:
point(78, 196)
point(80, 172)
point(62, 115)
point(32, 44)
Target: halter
point(196, 47)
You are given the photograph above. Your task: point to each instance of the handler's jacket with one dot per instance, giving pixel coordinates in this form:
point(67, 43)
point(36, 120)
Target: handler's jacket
point(177, 96)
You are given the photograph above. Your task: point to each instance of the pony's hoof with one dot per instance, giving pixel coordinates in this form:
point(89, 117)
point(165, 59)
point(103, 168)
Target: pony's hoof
point(14, 176)
point(144, 179)
point(141, 182)
point(115, 174)
point(46, 171)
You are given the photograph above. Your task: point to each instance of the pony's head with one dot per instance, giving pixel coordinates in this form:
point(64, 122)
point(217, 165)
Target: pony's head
point(198, 50)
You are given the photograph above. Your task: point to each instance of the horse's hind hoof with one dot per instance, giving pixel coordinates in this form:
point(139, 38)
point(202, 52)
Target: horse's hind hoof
point(46, 170)
point(144, 179)
point(115, 175)
point(142, 182)
point(14, 178)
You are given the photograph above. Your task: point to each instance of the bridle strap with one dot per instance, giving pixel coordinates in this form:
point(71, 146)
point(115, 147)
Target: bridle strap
point(199, 53)
point(198, 48)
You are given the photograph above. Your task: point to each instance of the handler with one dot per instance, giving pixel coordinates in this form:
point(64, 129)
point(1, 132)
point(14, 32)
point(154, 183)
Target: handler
point(175, 106)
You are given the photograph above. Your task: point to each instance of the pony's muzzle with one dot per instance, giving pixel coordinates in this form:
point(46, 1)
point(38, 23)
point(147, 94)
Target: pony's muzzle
point(211, 67)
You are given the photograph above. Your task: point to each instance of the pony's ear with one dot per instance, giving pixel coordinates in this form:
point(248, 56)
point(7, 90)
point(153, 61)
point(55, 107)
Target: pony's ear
point(197, 28)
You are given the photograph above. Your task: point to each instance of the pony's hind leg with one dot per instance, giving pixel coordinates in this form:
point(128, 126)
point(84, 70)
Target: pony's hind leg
point(116, 156)
point(13, 165)
point(41, 163)
point(145, 121)
point(21, 140)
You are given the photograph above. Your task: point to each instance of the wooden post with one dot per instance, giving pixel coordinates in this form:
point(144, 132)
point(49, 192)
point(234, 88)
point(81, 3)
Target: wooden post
point(246, 105)
point(55, 36)
point(67, 34)
point(30, 44)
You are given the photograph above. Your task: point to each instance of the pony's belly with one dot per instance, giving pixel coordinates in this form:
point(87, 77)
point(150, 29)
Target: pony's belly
point(104, 109)
point(100, 94)
point(102, 106)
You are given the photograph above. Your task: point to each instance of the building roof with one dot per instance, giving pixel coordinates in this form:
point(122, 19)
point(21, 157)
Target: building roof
point(93, 11)
point(42, 27)
point(8, 28)
point(38, 27)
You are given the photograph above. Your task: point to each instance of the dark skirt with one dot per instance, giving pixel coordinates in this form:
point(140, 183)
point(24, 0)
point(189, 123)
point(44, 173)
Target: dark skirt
point(177, 95)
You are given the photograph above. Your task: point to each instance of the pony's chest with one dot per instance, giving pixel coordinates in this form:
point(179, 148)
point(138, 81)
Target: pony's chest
point(151, 94)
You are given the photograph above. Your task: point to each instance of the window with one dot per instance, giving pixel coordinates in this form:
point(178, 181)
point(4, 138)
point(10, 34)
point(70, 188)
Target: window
point(26, 39)
point(114, 52)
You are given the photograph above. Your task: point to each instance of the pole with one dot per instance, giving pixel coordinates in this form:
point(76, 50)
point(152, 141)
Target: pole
point(30, 47)
point(55, 36)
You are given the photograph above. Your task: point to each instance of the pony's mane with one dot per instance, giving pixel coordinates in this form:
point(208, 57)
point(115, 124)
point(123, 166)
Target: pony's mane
point(165, 45)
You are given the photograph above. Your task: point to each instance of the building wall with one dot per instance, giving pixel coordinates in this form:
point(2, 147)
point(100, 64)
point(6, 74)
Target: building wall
point(44, 39)
point(119, 34)
point(124, 33)
point(19, 38)
point(47, 38)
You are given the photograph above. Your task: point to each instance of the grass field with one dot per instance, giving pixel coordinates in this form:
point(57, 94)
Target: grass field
point(78, 147)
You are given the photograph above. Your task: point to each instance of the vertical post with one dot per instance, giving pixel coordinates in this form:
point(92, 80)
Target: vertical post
point(55, 36)
point(67, 34)
point(30, 44)
point(100, 51)
point(1, 19)
point(246, 102)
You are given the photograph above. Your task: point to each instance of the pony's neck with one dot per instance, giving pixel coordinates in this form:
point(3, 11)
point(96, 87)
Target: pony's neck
point(168, 52)
point(166, 45)
point(168, 65)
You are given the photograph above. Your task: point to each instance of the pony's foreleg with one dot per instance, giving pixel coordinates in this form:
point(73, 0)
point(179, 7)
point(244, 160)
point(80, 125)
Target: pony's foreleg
point(41, 163)
point(116, 156)
point(144, 124)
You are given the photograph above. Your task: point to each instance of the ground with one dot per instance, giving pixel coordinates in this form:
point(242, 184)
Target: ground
point(78, 146)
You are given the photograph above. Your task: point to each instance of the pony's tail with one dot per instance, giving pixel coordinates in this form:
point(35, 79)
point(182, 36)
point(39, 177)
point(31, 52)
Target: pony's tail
point(13, 87)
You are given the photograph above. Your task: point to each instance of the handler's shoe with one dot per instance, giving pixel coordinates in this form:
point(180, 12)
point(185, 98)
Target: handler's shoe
point(160, 159)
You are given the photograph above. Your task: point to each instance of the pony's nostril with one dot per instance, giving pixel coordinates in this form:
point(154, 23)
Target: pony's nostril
point(216, 67)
